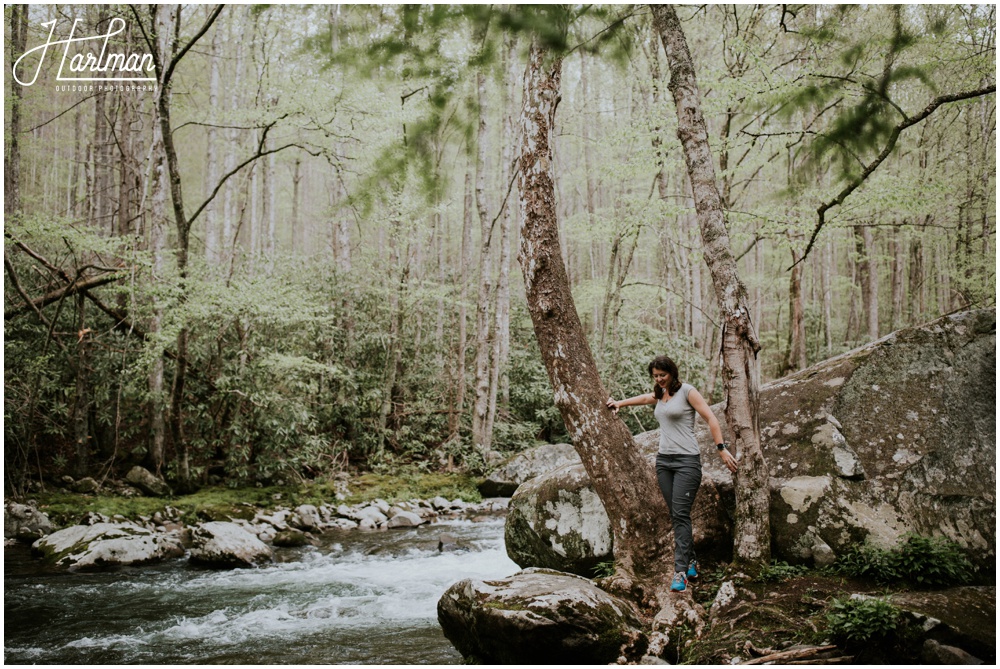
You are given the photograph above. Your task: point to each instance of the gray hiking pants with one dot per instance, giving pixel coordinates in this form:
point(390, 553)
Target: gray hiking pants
point(680, 477)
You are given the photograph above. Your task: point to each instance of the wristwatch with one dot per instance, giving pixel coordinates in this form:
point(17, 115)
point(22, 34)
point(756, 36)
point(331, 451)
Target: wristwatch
point(723, 446)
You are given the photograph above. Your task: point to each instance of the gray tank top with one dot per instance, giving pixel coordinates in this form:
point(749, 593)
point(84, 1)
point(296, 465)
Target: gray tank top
point(676, 419)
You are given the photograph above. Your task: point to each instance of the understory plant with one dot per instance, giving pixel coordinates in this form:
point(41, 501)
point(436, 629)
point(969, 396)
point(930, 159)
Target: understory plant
point(922, 561)
point(871, 628)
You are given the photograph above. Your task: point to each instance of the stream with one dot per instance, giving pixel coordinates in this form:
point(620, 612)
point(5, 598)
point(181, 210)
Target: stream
point(357, 598)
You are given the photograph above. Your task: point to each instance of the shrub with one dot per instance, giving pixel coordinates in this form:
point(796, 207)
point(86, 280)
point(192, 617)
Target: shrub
point(922, 561)
point(856, 622)
point(932, 562)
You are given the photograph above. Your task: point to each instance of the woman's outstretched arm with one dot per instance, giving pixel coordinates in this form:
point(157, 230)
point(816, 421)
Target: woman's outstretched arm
point(638, 400)
point(701, 406)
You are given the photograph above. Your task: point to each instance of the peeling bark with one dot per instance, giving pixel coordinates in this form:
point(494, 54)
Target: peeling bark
point(621, 476)
point(740, 368)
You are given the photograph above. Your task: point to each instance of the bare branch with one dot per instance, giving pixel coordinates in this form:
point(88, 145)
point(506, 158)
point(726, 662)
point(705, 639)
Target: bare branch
point(890, 145)
point(201, 32)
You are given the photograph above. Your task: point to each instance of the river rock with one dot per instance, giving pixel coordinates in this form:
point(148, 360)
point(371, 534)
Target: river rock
point(224, 544)
point(106, 544)
point(85, 486)
point(25, 522)
point(504, 480)
point(147, 482)
point(291, 538)
point(892, 438)
point(448, 543)
point(306, 517)
point(372, 515)
point(405, 519)
point(557, 521)
point(539, 616)
point(343, 524)
point(274, 520)
point(440, 504)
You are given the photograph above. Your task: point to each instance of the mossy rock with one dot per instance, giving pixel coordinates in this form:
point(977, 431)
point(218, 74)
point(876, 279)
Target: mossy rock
point(226, 512)
point(540, 616)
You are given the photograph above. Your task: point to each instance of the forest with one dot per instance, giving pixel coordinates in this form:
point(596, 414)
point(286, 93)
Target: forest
point(289, 247)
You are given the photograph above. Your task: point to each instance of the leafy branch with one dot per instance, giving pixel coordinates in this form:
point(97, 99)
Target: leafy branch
point(890, 145)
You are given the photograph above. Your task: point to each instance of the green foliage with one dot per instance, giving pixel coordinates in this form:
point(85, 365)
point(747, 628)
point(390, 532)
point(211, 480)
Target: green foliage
point(604, 569)
point(779, 571)
point(67, 508)
point(858, 622)
point(921, 561)
point(413, 485)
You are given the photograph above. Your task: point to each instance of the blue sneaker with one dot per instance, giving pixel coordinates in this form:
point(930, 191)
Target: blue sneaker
point(693, 569)
point(680, 582)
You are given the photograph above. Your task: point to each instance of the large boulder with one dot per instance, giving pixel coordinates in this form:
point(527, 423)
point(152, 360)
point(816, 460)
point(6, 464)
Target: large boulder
point(504, 480)
point(892, 438)
point(557, 521)
point(226, 545)
point(147, 482)
point(105, 545)
point(25, 522)
point(539, 616)
point(959, 617)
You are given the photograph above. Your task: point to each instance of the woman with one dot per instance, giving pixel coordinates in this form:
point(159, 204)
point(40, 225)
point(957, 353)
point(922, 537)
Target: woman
point(678, 462)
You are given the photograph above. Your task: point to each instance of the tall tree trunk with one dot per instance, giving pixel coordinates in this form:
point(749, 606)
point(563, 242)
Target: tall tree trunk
point(73, 206)
point(168, 57)
point(212, 232)
point(827, 291)
point(230, 202)
point(81, 407)
point(480, 414)
point(621, 476)
point(868, 269)
point(796, 358)
point(168, 37)
point(12, 158)
point(918, 289)
point(463, 293)
point(157, 183)
point(740, 371)
point(99, 197)
point(898, 284)
point(396, 314)
point(296, 224)
point(272, 207)
point(502, 358)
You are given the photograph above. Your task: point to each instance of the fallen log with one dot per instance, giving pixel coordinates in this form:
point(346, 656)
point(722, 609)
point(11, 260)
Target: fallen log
point(74, 287)
point(840, 659)
point(786, 656)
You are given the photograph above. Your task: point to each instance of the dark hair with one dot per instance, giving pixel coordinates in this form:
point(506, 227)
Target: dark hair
point(665, 364)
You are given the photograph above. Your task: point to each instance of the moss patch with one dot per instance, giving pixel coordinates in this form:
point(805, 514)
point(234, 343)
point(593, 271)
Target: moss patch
point(222, 503)
point(407, 486)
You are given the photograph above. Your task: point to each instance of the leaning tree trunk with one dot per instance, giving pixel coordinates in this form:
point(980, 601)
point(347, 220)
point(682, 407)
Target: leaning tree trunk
point(621, 476)
point(740, 370)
